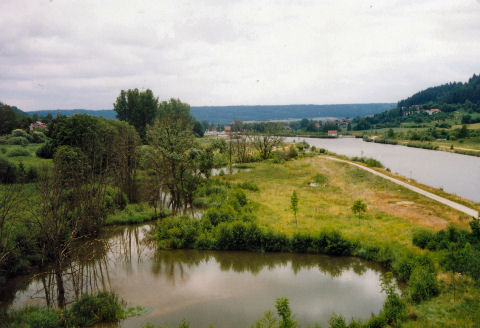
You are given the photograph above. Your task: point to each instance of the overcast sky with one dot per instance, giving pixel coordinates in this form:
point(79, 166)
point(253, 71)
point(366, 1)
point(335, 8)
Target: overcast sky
point(80, 54)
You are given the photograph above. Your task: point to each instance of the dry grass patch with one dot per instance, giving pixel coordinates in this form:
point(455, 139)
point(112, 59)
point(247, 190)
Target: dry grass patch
point(393, 212)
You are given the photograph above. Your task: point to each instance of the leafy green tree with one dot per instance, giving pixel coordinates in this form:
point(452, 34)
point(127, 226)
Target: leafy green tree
point(174, 155)
point(139, 108)
point(294, 205)
point(359, 207)
point(198, 129)
point(8, 119)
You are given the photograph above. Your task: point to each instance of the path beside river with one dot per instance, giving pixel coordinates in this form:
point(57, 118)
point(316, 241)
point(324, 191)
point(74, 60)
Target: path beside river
point(454, 205)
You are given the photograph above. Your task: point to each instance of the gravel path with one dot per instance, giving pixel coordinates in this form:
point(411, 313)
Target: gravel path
point(457, 206)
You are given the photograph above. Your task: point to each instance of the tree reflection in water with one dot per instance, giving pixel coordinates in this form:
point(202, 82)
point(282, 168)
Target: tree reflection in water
point(96, 265)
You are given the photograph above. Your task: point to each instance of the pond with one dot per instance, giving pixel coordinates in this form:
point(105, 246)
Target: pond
point(455, 173)
point(225, 289)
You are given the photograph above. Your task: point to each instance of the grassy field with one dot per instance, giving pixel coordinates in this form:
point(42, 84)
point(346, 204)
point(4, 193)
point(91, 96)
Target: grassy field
point(393, 212)
point(29, 159)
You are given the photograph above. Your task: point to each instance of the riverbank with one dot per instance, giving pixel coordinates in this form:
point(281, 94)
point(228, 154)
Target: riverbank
point(445, 146)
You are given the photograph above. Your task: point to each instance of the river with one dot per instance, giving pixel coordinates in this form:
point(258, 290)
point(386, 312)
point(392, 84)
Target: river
point(225, 289)
point(454, 173)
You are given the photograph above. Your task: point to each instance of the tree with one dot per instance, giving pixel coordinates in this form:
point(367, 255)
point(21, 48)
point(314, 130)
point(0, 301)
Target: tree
point(174, 155)
point(139, 108)
point(8, 119)
point(359, 207)
point(198, 129)
point(267, 138)
point(294, 205)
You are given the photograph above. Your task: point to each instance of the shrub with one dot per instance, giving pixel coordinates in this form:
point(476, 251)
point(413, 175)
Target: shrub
point(46, 151)
point(359, 207)
point(8, 171)
point(38, 137)
point(394, 309)
point(248, 185)
point(321, 179)
point(421, 238)
point(22, 141)
point(18, 151)
point(337, 321)
point(19, 133)
point(292, 151)
point(422, 284)
point(178, 232)
point(92, 309)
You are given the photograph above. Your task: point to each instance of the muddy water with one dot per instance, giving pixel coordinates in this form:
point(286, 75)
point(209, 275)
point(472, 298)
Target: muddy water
point(226, 289)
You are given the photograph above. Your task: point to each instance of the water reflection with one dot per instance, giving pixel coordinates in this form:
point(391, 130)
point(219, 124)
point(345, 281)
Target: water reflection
point(227, 289)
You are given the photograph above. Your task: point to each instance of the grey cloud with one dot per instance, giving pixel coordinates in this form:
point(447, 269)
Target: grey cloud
point(72, 54)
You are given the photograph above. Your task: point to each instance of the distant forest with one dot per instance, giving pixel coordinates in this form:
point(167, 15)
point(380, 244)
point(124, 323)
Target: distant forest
point(227, 114)
point(449, 98)
point(449, 93)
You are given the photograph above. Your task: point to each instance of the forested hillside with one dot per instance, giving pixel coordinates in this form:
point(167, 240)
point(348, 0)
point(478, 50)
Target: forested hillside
point(227, 114)
point(449, 93)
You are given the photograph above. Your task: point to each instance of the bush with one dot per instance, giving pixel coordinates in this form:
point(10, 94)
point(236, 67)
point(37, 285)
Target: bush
point(33, 316)
point(22, 141)
point(38, 137)
point(422, 284)
point(248, 185)
point(292, 152)
point(320, 179)
point(394, 309)
point(92, 309)
point(421, 238)
point(178, 232)
point(18, 151)
point(19, 133)
point(8, 172)
point(46, 151)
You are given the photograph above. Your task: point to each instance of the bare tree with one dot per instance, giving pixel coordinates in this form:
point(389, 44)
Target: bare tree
point(267, 138)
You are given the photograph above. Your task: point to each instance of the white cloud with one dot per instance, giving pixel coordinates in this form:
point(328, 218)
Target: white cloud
point(79, 54)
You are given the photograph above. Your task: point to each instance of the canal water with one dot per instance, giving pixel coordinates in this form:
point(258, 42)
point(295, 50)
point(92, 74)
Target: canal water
point(223, 289)
point(454, 173)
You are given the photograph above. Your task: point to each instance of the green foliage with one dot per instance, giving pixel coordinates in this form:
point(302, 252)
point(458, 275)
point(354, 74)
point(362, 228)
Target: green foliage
point(422, 284)
point(359, 207)
point(21, 141)
point(34, 316)
point(371, 162)
point(139, 108)
point(46, 151)
point(248, 185)
point(38, 137)
point(292, 152)
point(8, 119)
point(320, 179)
point(8, 172)
point(285, 314)
point(92, 309)
point(19, 133)
point(394, 309)
point(294, 204)
point(337, 321)
point(18, 151)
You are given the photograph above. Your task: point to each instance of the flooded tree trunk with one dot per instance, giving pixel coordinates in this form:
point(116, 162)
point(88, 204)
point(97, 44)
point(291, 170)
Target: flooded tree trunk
point(60, 286)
